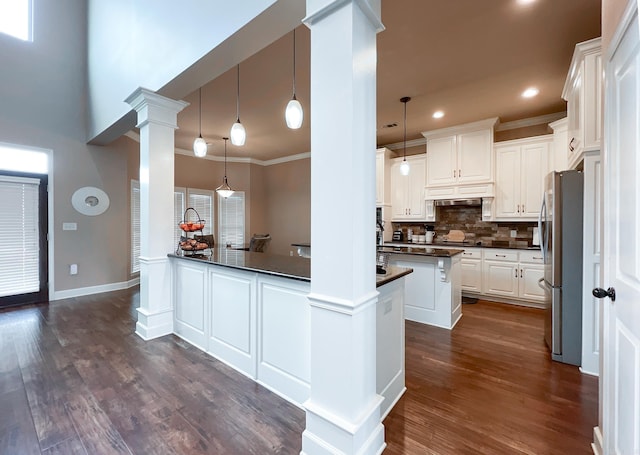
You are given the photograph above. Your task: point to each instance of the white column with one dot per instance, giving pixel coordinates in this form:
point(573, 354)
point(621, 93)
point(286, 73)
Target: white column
point(157, 120)
point(343, 411)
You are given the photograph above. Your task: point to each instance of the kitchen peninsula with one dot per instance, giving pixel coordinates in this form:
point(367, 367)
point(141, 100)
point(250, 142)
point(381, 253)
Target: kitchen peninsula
point(250, 311)
point(433, 293)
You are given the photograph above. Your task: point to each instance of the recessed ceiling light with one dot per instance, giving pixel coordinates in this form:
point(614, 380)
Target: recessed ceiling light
point(525, 2)
point(438, 114)
point(530, 92)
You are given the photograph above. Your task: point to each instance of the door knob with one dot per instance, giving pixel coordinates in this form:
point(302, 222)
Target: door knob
point(601, 293)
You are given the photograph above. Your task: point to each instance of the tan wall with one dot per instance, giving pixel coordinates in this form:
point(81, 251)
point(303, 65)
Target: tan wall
point(519, 133)
point(611, 13)
point(288, 204)
point(257, 204)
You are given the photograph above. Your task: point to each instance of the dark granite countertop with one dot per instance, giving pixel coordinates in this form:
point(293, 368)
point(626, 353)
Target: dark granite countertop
point(294, 267)
point(465, 244)
point(421, 251)
point(303, 245)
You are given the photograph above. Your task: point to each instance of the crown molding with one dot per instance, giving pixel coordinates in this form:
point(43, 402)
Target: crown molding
point(549, 118)
point(179, 151)
point(400, 145)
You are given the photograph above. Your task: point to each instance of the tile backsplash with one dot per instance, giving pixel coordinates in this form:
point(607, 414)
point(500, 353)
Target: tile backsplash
point(469, 220)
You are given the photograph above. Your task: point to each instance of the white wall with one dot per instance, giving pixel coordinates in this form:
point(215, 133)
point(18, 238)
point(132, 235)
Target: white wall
point(171, 47)
point(42, 93)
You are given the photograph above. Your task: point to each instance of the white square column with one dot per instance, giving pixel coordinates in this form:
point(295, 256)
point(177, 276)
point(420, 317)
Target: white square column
point(343, 411)
point(157, 120)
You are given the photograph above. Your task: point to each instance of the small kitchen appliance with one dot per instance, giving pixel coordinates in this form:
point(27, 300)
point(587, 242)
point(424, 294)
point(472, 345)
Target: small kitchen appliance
point(398, 236)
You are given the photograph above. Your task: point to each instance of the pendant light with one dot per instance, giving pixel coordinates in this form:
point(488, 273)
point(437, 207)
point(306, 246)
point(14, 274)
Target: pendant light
point(225, 190)
point(294, 114)
point(238, 133)
point(200, 145)
point(404, 166)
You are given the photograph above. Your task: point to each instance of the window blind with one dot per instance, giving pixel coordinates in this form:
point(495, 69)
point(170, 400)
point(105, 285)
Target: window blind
point(202, 201)
point(19, 236)
point(135, 226)
point(179, 197)
point(231, 220)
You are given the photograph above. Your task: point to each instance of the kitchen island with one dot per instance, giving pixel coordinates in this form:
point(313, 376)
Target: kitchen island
point(250, 310)
point(433, 293)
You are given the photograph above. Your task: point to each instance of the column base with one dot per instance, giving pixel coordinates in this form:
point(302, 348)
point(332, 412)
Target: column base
point(365, 437)
point(154, 325)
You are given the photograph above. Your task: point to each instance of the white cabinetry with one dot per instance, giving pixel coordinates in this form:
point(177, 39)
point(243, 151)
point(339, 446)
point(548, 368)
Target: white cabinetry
point(583, 93)
point(521, 166)
point(383, 177)
point(513, 274)
point(471, 265)
point(559, 150)
point(460, 161)
point(407, 191)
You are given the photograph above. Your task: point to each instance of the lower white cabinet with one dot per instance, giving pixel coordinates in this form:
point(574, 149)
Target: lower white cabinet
point(471, 266)
point(513, 274)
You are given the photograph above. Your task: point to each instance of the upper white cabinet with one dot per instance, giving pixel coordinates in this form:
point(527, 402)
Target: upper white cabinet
point(407, 191)
point(383, 177)
point(460, 160)
point(521, 166)
point(583, 93)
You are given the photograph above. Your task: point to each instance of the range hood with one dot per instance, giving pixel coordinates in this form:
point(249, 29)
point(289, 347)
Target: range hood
point(464, 202)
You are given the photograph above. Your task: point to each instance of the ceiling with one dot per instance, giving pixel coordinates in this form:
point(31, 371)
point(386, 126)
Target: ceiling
point(471, 59)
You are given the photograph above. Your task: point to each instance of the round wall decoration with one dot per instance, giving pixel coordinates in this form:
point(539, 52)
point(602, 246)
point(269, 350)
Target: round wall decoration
point(90, 201)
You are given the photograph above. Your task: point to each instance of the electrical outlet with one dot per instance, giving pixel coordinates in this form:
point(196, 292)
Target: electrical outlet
point(290, 253)
point(73, 269)
point(514, 233)
point(69, 226)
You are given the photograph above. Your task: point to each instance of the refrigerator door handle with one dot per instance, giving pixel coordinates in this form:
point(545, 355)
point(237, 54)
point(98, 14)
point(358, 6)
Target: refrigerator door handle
point(543, 234)
point(543, 284)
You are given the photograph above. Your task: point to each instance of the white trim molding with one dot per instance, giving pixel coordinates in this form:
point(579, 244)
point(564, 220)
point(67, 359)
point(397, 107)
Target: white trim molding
point(90, 290)
point(525, 122)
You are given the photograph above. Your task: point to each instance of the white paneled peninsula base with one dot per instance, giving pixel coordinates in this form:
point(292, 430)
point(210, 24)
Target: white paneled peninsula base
point(433, 293)
point(250, 310)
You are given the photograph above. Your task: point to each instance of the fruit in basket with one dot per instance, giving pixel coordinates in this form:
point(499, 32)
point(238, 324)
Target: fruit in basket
point(183, 226)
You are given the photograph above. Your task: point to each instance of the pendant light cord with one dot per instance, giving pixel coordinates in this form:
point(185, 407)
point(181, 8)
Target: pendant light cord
point(200, 109)
point(225, 158)
point(405, 100)
point(294, 63)
point(238, 97)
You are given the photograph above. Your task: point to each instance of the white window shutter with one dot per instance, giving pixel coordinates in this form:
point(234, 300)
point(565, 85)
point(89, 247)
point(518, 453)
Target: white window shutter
point(179, 201)
point(19, 235)
point(135, 226)
point(202, 201)
point(231, 222)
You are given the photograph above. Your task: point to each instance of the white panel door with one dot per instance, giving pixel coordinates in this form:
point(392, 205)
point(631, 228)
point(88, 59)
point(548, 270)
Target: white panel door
point(500, 278)
point(471, 275)
point(441, 161)
point(534, 162)
point(415, 196)
point(621, 266)
point(528, 287)
point(475, 157)
point(507, 182)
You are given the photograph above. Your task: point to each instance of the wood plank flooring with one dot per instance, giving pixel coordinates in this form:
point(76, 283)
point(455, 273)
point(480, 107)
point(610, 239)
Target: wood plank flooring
point(75, 379)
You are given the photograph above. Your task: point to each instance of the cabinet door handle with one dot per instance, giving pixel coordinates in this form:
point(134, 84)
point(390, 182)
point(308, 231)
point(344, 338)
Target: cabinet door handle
point(518, 208)
point(459, 173)
point(522, 208)
point(466, 254)
point(501, 256)
point(516, 270)
point(520, 273)
point(571, 147)
point(535, 257)
point(454, 173)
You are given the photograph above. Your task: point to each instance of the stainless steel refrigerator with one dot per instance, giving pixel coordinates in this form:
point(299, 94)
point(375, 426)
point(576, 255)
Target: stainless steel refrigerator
point(560, 228)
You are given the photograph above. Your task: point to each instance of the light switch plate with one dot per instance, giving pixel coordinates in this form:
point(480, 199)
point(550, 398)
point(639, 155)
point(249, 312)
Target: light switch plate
point(73, 269)
point(69, 226)
point(514, 233)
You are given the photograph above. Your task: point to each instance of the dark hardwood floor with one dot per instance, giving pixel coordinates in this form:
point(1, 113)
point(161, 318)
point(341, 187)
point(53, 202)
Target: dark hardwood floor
point(75, 379)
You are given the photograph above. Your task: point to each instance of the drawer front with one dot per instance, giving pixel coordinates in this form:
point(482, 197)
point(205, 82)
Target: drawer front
point(531, 257)
point(472, 253)
point(501, 255)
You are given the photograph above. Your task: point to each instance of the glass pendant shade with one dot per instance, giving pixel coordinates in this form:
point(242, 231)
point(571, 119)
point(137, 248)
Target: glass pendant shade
point(294, 114)
point(199, 147)
point(404, 167)
point(238, 134)
point(224, 190)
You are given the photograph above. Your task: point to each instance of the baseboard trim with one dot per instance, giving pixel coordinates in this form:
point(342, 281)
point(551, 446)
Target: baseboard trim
point(89, 290)
point(596, 445)
point(500, 299)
